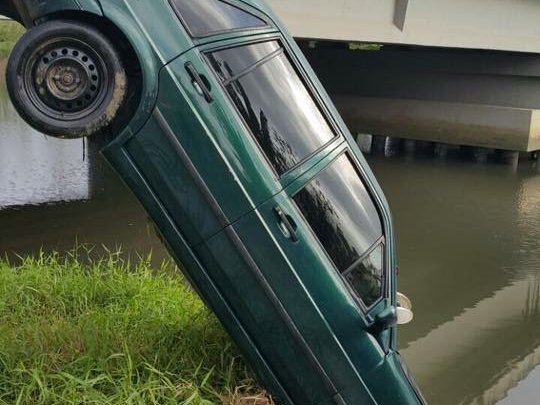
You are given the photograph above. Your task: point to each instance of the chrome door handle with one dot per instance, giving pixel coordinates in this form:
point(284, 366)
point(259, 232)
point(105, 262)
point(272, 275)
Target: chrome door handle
point(287, 224)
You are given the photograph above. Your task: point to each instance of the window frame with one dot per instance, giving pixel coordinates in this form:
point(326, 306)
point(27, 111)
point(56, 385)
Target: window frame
point(385, 288)
point(185, 24)
point(310, 88)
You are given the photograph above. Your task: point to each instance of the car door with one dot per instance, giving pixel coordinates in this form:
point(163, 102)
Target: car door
point(321, 246)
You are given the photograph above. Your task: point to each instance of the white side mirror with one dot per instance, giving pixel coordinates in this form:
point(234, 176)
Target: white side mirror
point(403, 301)
point(405, 314)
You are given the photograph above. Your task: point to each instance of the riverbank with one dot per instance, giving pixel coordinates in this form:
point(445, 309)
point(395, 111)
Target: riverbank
point(109, 333)
point(10, 32)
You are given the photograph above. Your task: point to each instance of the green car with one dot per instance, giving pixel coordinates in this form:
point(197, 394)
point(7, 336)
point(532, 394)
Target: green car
point(214, 119)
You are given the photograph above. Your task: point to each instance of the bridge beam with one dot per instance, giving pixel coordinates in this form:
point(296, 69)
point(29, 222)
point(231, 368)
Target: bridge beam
point(462, 97)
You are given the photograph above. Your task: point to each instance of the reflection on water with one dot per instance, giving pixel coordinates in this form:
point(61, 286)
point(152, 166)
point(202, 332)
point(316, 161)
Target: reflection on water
point(526, 392)
point(468, 243)
point(468, 237)
point(35, 169)
point(70, 195)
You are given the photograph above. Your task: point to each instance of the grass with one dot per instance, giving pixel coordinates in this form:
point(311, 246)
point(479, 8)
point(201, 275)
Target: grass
point(359, 46)
point(106, 332)
point(10, 32)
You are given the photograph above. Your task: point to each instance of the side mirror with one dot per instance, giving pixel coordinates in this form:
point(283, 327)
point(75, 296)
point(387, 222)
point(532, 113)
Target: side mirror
point(405, 314)
point(384, 320)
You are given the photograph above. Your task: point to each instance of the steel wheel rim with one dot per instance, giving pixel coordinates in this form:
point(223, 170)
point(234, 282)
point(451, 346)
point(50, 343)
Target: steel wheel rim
point(66, 79)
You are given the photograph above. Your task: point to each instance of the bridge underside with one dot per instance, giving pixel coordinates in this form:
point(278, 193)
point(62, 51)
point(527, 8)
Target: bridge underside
point(462, 72)
point(464, 97)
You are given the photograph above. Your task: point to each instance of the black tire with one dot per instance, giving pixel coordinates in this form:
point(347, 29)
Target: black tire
point(66, 79)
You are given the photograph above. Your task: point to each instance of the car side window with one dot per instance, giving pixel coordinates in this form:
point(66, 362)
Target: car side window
point(343, 216)
point(366, 276)
point(274, 102)
point(209, 17)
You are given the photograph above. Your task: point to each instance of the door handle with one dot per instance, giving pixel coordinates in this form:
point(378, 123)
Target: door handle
point(201, 85)
point(287, 224)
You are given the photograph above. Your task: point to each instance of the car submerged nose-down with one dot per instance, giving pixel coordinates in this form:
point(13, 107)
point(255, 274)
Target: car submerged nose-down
point(214, 119)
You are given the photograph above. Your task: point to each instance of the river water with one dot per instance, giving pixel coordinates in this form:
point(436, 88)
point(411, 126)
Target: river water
point(468, 240)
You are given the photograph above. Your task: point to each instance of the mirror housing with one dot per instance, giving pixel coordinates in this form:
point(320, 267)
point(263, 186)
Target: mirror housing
point(384, 320)
point(404, 311)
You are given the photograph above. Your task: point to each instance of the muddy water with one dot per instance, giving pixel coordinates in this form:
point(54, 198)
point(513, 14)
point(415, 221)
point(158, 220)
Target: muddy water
point(468, 236)
point(468, 242)
point(35, 169)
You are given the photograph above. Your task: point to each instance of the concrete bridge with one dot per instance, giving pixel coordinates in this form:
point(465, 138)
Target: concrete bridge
point(506, 25)
point(460, 72)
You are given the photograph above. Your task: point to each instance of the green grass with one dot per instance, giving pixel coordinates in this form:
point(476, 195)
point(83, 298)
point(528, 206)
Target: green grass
point(359, 46)
point(10, 32)
point(109, 333)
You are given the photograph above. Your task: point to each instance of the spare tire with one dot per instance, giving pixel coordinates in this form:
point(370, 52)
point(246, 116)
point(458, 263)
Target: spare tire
point(66, 79)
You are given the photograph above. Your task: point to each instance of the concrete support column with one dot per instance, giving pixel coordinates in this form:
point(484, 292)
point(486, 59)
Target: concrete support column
point(393, 146)
point(379, 144)
point(365, 142)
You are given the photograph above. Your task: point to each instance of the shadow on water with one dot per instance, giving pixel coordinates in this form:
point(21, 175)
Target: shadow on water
point(468, 237)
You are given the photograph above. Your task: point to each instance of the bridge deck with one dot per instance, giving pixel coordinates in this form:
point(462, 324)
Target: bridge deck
point(480, 24)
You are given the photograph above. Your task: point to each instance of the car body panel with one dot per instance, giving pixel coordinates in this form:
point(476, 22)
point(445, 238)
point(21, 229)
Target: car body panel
point(254, 182)
point(274, 331)
point(8, 9)
point(155, 20)
point(29, 11)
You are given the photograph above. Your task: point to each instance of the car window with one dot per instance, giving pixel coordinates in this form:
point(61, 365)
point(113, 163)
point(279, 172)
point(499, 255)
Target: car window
point(231, 62)
point(343, 216)
point(274, 101)
point(208, 17)
point(366, 277)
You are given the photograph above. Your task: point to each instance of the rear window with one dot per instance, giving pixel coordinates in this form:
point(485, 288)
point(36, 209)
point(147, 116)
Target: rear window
point(208, 17)
point(343, 216)
point(274, 101)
